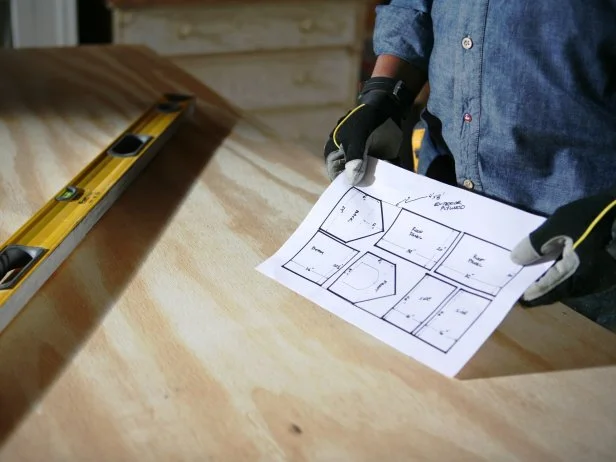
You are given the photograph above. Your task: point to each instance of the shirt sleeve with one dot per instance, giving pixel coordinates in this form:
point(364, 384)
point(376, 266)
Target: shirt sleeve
point(403, 28)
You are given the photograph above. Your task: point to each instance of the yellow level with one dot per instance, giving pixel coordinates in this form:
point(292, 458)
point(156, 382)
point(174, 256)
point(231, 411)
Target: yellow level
point(31, 255)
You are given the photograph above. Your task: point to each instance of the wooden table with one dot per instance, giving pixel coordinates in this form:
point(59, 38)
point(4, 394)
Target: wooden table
point(158, 340)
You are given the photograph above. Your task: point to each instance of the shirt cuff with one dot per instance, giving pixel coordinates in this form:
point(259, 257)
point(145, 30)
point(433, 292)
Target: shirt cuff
point(405, 32)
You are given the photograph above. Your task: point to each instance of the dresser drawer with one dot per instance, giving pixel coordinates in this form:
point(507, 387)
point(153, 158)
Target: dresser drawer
point(309, 127)
point(235, 27)
point(281, 79)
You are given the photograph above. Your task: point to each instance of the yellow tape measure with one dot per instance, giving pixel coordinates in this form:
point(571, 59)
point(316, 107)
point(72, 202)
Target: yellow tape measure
point(33, 253)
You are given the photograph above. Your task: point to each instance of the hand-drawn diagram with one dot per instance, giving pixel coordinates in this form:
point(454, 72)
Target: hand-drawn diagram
point(357, 215)
point(450, 323)
point(320, 258)
point(421, 301)
point(411, 261)
point(480, 265)
point(368, 278)
point(418, 239)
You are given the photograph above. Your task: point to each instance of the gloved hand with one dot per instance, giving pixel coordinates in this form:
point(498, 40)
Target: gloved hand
point(581, 237)
point(371, 128)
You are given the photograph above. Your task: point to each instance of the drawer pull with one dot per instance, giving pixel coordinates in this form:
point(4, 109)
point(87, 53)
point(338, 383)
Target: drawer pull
point(307, 25)
point(184, 31)
point(303, 79)
point(217, 35)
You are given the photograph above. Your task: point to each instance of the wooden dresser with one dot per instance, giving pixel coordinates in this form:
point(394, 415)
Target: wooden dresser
point(293, 64)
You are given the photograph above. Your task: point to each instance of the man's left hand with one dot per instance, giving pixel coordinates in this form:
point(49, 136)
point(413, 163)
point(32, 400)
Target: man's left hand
point(581, 238)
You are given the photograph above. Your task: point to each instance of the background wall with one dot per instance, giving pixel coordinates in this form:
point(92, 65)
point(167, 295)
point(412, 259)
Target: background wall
point(94, 19)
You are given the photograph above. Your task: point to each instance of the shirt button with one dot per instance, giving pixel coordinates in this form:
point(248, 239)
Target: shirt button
point(467, 43)
point(468, 117)
point(468, 184)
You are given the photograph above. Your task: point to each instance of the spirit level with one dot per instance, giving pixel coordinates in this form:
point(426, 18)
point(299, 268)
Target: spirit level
point(31, 255)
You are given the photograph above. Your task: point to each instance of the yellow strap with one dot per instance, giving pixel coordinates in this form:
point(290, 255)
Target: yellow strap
point(343, 121)
point(416, 140)
point(594, 223)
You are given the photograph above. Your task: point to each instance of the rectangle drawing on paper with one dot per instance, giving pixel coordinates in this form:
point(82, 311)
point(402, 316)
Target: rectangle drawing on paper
point(417, 239)
point(320, 258)
point(480, 265)
point(368, 278)
point(357, 215)
point(450, 322)
point(420, 302)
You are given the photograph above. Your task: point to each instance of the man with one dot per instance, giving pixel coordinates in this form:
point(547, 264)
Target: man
point(522, 108)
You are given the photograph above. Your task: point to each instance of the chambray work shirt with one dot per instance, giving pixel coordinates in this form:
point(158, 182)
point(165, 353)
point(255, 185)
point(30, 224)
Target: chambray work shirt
point(522, 93)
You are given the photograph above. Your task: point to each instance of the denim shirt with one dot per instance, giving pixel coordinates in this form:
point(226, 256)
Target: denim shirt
point(522, 93)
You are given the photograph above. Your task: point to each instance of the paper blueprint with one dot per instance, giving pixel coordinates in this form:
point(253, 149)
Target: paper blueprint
point(420, 265)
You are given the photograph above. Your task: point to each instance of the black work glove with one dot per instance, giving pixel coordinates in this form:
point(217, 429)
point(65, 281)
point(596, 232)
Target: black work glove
point(581, 237)
point(371, 128)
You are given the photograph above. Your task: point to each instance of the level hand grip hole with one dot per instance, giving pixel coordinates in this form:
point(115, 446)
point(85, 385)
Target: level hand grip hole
point(15, 261)
point(169, 107)
point(177, 97)
point(129, 145)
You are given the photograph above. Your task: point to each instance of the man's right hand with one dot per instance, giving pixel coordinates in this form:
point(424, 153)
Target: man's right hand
point(363, 131)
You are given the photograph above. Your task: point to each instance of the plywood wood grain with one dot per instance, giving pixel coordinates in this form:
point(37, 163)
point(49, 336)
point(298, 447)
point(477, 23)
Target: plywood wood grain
point(157, 339)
